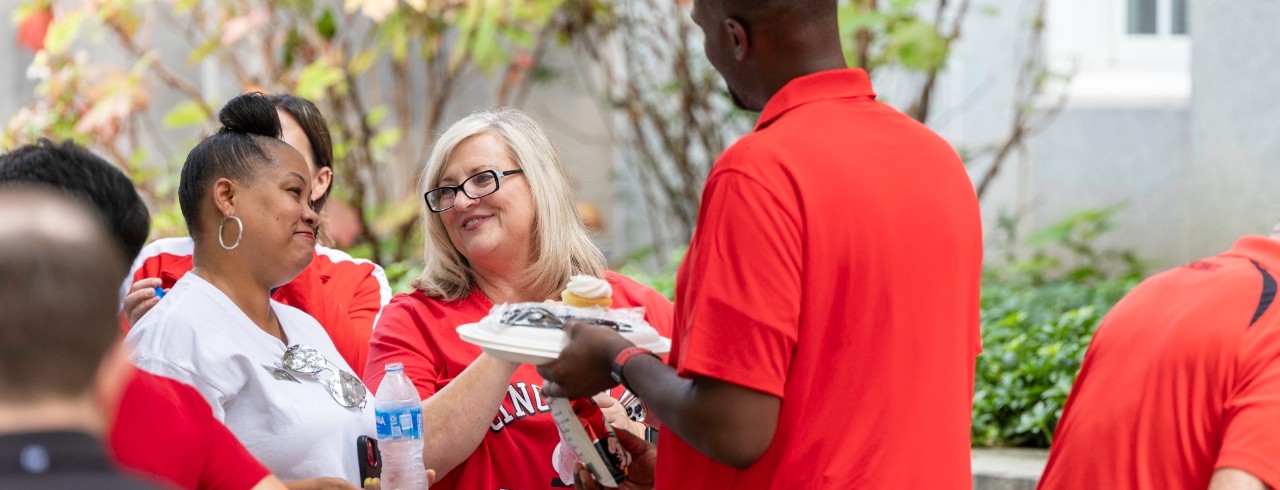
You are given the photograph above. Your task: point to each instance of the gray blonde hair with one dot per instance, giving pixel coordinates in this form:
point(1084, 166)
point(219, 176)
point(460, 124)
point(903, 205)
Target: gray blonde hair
point(562, 246)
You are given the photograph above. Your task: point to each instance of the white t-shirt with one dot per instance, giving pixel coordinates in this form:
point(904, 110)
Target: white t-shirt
point(197, 335)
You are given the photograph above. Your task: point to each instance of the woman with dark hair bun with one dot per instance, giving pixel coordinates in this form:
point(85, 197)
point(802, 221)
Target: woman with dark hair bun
point(268, 370)
point(343, 293)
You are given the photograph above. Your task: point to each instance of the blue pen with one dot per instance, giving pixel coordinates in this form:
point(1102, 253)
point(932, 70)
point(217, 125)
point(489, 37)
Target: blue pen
point(159, 292)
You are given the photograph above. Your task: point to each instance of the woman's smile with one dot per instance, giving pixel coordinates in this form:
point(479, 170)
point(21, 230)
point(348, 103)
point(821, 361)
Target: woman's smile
point(473, 222)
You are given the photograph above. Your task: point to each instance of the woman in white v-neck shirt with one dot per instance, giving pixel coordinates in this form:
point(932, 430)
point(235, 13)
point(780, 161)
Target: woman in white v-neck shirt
point(245, 197)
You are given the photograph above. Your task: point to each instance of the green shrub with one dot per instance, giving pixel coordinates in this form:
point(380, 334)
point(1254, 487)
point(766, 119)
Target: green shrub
point(1033, 337)
point(662, 279)
point(1038, 315)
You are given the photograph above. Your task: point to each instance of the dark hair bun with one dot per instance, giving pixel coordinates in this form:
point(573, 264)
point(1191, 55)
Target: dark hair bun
point(252, 114)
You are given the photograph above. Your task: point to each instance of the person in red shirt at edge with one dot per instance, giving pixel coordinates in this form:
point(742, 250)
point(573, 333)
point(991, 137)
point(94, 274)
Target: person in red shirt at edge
point(826, 324)
point(342, 293)
point(500, 227)
point(162, 428)
point(1180, 385)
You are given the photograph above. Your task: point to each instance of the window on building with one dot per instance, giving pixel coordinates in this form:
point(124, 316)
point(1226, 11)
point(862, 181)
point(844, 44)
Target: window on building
point(1156, 17)
point(1121, 52)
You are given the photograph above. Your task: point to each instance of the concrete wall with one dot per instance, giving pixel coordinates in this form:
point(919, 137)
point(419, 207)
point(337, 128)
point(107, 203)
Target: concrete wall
point(1091, 158)
point(1233, 182)
point(1197, 171)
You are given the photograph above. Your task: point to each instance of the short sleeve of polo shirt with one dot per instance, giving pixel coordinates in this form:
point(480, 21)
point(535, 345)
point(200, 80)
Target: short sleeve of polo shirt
point(230, 466)
point(743, 278)
point(166, 429)
point(215, 395)
point(1251, 437)
point(401, 335)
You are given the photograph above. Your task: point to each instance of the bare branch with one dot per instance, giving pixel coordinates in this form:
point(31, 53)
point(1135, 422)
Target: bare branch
point(163, 72)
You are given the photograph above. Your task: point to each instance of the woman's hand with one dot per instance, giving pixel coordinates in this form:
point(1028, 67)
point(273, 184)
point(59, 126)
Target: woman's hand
point(141, 299)
point(616, 415)
point(376, 483)
point(644, 457)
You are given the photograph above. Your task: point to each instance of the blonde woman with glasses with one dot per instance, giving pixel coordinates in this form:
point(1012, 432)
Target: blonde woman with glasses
point(500, 227)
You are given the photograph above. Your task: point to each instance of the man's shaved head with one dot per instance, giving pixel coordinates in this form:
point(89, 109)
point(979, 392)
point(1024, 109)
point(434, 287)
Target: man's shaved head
point(776, 12)
point(760, 45)
point(60, 274)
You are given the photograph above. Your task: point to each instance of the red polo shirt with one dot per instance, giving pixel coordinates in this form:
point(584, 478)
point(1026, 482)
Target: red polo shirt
point(165, 429)
point(1182, 378)
point(836, 266)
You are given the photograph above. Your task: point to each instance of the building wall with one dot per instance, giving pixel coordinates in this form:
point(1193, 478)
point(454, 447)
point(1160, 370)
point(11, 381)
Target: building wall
point(1198, 166)
point(1233, 184)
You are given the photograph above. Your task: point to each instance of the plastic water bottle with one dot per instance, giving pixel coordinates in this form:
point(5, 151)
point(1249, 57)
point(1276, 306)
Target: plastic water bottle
point(399, 414)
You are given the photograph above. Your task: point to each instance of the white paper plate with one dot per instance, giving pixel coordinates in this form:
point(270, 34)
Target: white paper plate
point(539, 345)
point(513, 353)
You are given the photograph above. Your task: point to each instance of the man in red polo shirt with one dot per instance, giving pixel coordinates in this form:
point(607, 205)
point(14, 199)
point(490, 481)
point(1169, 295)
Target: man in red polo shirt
point(1180, 386)
point(826, 321)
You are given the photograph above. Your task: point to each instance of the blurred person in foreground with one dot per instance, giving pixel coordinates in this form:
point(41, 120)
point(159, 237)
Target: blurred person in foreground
point(1180, 385)
point(267, 370)
point(343, 293)
point(500, 226)
point(162, 429)
point(62, 368)
point(826, 322)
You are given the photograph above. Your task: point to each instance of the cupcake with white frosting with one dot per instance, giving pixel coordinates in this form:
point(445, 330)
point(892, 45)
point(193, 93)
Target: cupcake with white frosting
point(587, 291)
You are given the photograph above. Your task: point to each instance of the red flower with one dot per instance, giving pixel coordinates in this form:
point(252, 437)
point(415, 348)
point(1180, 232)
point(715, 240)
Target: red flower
point(32, 29)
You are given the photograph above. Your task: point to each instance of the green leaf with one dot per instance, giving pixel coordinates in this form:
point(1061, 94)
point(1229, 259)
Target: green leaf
point(385, 139)
point(183, 7)
point(64, 31)
point(316, 78)
point(362, 62)
point(376, 115)
point(24, 10)
point(327, 26)
point(203, 51)
point(916, 45)
point(185, 115)
point(292, 41)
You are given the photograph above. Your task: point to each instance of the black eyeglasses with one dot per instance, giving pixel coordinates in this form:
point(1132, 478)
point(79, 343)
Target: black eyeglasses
point(476, 186)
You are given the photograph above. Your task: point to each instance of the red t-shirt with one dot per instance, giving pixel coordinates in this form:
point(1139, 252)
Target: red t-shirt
point(344, 294)
point(1181, 378)
point(835, 265)
point(165, 429)
point(421, 332)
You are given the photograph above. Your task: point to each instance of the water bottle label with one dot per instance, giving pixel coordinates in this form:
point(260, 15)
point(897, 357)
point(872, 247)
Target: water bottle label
point(405, 423)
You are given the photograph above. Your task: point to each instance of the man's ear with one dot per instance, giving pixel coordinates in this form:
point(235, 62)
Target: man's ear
point(224, 195)
point(114, 374)
point(738, 37)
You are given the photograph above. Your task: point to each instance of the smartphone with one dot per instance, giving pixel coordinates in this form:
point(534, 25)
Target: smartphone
point(369, 457)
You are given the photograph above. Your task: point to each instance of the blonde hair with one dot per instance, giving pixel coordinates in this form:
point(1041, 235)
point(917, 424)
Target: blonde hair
point(562, 246)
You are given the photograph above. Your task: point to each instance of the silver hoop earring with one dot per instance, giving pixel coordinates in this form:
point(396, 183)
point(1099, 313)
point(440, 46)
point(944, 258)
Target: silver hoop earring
point(239, 234)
